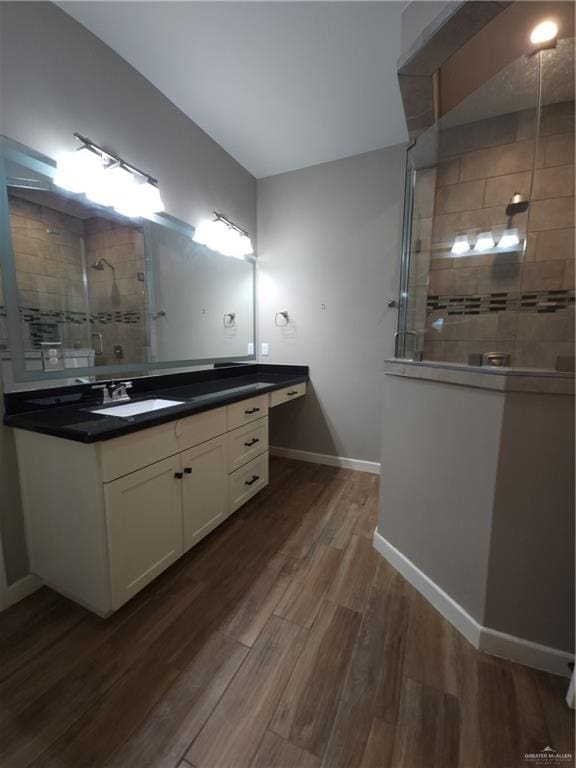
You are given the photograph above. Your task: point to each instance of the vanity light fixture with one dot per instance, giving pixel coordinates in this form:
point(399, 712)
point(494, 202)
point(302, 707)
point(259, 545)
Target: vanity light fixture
point(108, 180)
point(484, 242)
point(544, 34)
point(221, 234)
point(509, 238)
point(461, 245)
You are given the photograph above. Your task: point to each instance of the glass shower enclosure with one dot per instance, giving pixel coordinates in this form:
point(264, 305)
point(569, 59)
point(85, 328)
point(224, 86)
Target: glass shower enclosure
point(488, 250)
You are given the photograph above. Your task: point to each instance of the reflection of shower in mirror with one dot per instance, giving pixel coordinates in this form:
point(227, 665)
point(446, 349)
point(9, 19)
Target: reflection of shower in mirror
point(101, 264)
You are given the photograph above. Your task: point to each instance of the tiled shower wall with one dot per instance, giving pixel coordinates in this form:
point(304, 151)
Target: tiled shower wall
point(117, 297)
point(55, 303)
point(518, 303)
point(49, 272)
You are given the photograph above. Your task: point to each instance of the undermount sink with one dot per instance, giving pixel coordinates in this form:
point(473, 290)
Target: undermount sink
point(133, 409)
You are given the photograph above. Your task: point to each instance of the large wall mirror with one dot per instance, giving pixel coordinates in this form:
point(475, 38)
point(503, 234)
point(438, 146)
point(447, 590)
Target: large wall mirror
point(89, 293)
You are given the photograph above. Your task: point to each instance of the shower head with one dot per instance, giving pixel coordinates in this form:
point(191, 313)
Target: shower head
point(101, 263)
point(518, 204)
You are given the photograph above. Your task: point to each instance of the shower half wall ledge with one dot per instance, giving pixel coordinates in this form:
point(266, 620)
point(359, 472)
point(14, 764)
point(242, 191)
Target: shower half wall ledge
point(484, 377)
point(477, 502)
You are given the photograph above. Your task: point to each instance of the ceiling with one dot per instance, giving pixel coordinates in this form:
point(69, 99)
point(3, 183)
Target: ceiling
point(279, 85)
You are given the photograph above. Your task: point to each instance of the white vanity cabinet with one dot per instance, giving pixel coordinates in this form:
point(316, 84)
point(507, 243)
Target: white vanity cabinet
point(204, 496)
point(104, 519)
point(144, 524)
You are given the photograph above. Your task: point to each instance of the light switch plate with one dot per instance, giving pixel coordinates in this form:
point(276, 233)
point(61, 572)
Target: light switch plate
point(265, 351)
point(250, 348)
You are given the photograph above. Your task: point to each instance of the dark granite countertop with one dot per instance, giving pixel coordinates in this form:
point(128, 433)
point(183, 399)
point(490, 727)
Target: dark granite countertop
point(66, 411)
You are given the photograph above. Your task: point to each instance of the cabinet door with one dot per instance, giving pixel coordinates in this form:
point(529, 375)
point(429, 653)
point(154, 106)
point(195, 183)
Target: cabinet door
point(144, 519)
point(204, 496)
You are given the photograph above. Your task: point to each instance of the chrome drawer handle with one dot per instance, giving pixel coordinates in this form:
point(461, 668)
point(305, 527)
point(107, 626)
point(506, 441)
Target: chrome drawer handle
point(252, 442)
point(251, 411)
point(294, 392)
point(251, 482)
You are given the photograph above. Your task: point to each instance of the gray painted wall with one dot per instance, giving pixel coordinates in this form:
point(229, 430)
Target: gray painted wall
point(330, 235)
point(420, 14)
point(57, 78)
point(530, 590)
point(439, 460)
point(477, 491)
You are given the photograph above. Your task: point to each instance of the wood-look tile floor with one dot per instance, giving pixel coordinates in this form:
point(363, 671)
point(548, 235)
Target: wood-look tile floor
point(282, 641)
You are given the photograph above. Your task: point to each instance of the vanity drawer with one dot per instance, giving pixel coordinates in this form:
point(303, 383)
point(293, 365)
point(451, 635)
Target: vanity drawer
point(245, 443)
point(288, 393)
point(247, 411)
point(122, 455)
point(247, 481)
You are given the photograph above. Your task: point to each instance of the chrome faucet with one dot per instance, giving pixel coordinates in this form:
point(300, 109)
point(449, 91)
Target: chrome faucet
point(119, 392)
point(105, 392)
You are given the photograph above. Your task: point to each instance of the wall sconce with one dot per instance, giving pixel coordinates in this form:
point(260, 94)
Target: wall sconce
point(461, 245)
point(484, 242)
point(230, 320)
point(108, 180)
point(281, 319)
point(509, 238)
point(224, 236)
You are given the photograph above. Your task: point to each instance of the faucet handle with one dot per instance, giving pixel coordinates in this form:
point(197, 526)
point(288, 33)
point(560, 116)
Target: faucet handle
point(105, 392)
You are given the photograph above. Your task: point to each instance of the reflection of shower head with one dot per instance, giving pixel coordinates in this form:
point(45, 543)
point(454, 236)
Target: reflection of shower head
point(518, 204)
point(101, 263)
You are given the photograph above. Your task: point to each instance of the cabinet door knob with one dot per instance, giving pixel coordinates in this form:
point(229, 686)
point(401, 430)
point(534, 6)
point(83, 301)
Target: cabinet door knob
point(178, 475)
point(252, 410)
point(251, 482)
point(252, 442)
point(188, 470)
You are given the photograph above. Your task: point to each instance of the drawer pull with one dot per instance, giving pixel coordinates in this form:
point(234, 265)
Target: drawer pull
point(251, 411)
point(188, 470)
point(252, 442)
point(178, 475)
point(293, 392)
point(251, 482)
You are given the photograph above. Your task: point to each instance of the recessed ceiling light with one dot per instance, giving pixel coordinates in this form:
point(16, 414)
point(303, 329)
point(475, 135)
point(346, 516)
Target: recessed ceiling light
point(544, 32)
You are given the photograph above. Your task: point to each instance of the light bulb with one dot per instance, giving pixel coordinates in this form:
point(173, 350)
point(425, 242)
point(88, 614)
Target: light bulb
point(203, 232)
point(138, 199)
point(111, 186)
point(229, 242)
point(484, 242)
point(219, 236)
point(246, 248)
point(544, 32)
point(149, 198)
point(461, 245)
point(509, 238)
point(76, 170)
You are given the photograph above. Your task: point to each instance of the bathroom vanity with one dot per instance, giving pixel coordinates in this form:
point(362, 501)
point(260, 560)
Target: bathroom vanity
point(111, 501)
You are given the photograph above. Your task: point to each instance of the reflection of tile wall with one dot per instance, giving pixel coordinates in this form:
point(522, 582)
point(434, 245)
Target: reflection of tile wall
point(122, 289)
point(47, 252)
point(483, 164)
point(50, 276)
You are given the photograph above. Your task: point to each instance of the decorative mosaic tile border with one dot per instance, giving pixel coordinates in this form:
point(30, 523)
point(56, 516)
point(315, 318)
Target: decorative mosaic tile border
point(529, 301)
point(36, 315)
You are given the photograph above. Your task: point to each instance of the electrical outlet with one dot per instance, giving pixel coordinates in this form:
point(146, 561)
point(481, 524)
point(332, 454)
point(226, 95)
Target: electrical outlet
point(265, 351)
point(250, 348)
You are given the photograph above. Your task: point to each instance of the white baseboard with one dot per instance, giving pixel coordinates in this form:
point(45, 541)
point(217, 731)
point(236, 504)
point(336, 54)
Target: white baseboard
point(483, 638)
point(323, 458)
point(20, 589)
